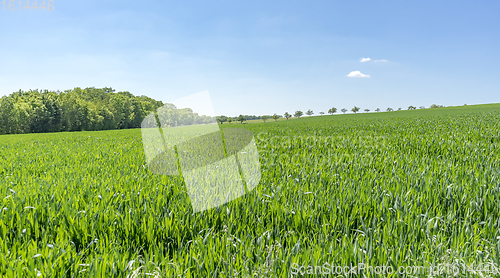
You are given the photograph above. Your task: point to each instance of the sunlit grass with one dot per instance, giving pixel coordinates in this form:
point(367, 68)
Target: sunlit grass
point(401, 188)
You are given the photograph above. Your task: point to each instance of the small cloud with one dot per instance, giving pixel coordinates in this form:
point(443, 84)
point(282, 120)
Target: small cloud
point(357, 73)
point(362, 60)
point(382, 61)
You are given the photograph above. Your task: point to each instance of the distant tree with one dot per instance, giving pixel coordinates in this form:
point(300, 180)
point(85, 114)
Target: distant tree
point(221, 119)
point(411, 107)
point(309, 112)
point(436, 106)
point(298, 113)
point(252, 117)
point(377, 110)
point(276, 117)
point(241, 118)
point(287, 116)
point(399, 109)
point(229, 120)
point(367, 110)
point(422, 107)
point(355, 109)
point(389, 109)
point(265, 118)
point(332, 110)
point(343, 110)
point(322, 113)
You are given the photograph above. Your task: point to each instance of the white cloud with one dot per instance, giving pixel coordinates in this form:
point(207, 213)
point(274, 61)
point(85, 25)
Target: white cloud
point(357, 73)
point(362, 60)
point(382, 61)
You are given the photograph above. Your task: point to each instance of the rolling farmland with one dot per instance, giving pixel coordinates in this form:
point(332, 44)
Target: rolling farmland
point(406, 188)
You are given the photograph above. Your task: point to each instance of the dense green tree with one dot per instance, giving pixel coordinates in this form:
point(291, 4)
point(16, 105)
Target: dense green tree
point(221, 119)
point(8, 121)
point(76, 109)
point(241, 118)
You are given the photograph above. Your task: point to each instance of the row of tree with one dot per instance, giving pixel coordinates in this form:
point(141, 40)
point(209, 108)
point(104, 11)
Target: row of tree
point(73, 110)
point(298, 113)
point(356, 109)
point(103, 109)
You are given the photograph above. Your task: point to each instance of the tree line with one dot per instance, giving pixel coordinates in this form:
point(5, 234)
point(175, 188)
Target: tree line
point(73, 110)
point(299, 113)
point(36, 111)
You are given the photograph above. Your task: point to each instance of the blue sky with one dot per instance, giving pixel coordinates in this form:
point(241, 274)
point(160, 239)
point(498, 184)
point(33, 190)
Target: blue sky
point(260, 57)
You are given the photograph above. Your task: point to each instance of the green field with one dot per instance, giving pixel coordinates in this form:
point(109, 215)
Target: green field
point(405, 188)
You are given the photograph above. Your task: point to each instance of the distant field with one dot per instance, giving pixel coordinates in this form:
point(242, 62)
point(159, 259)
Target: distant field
point(403, 188)
point(417, 112)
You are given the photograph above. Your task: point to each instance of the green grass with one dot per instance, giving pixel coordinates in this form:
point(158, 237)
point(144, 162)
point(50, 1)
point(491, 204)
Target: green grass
point(400, 188)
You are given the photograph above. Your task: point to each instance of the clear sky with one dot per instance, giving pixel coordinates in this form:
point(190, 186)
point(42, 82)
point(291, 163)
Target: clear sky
point(260, 57)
